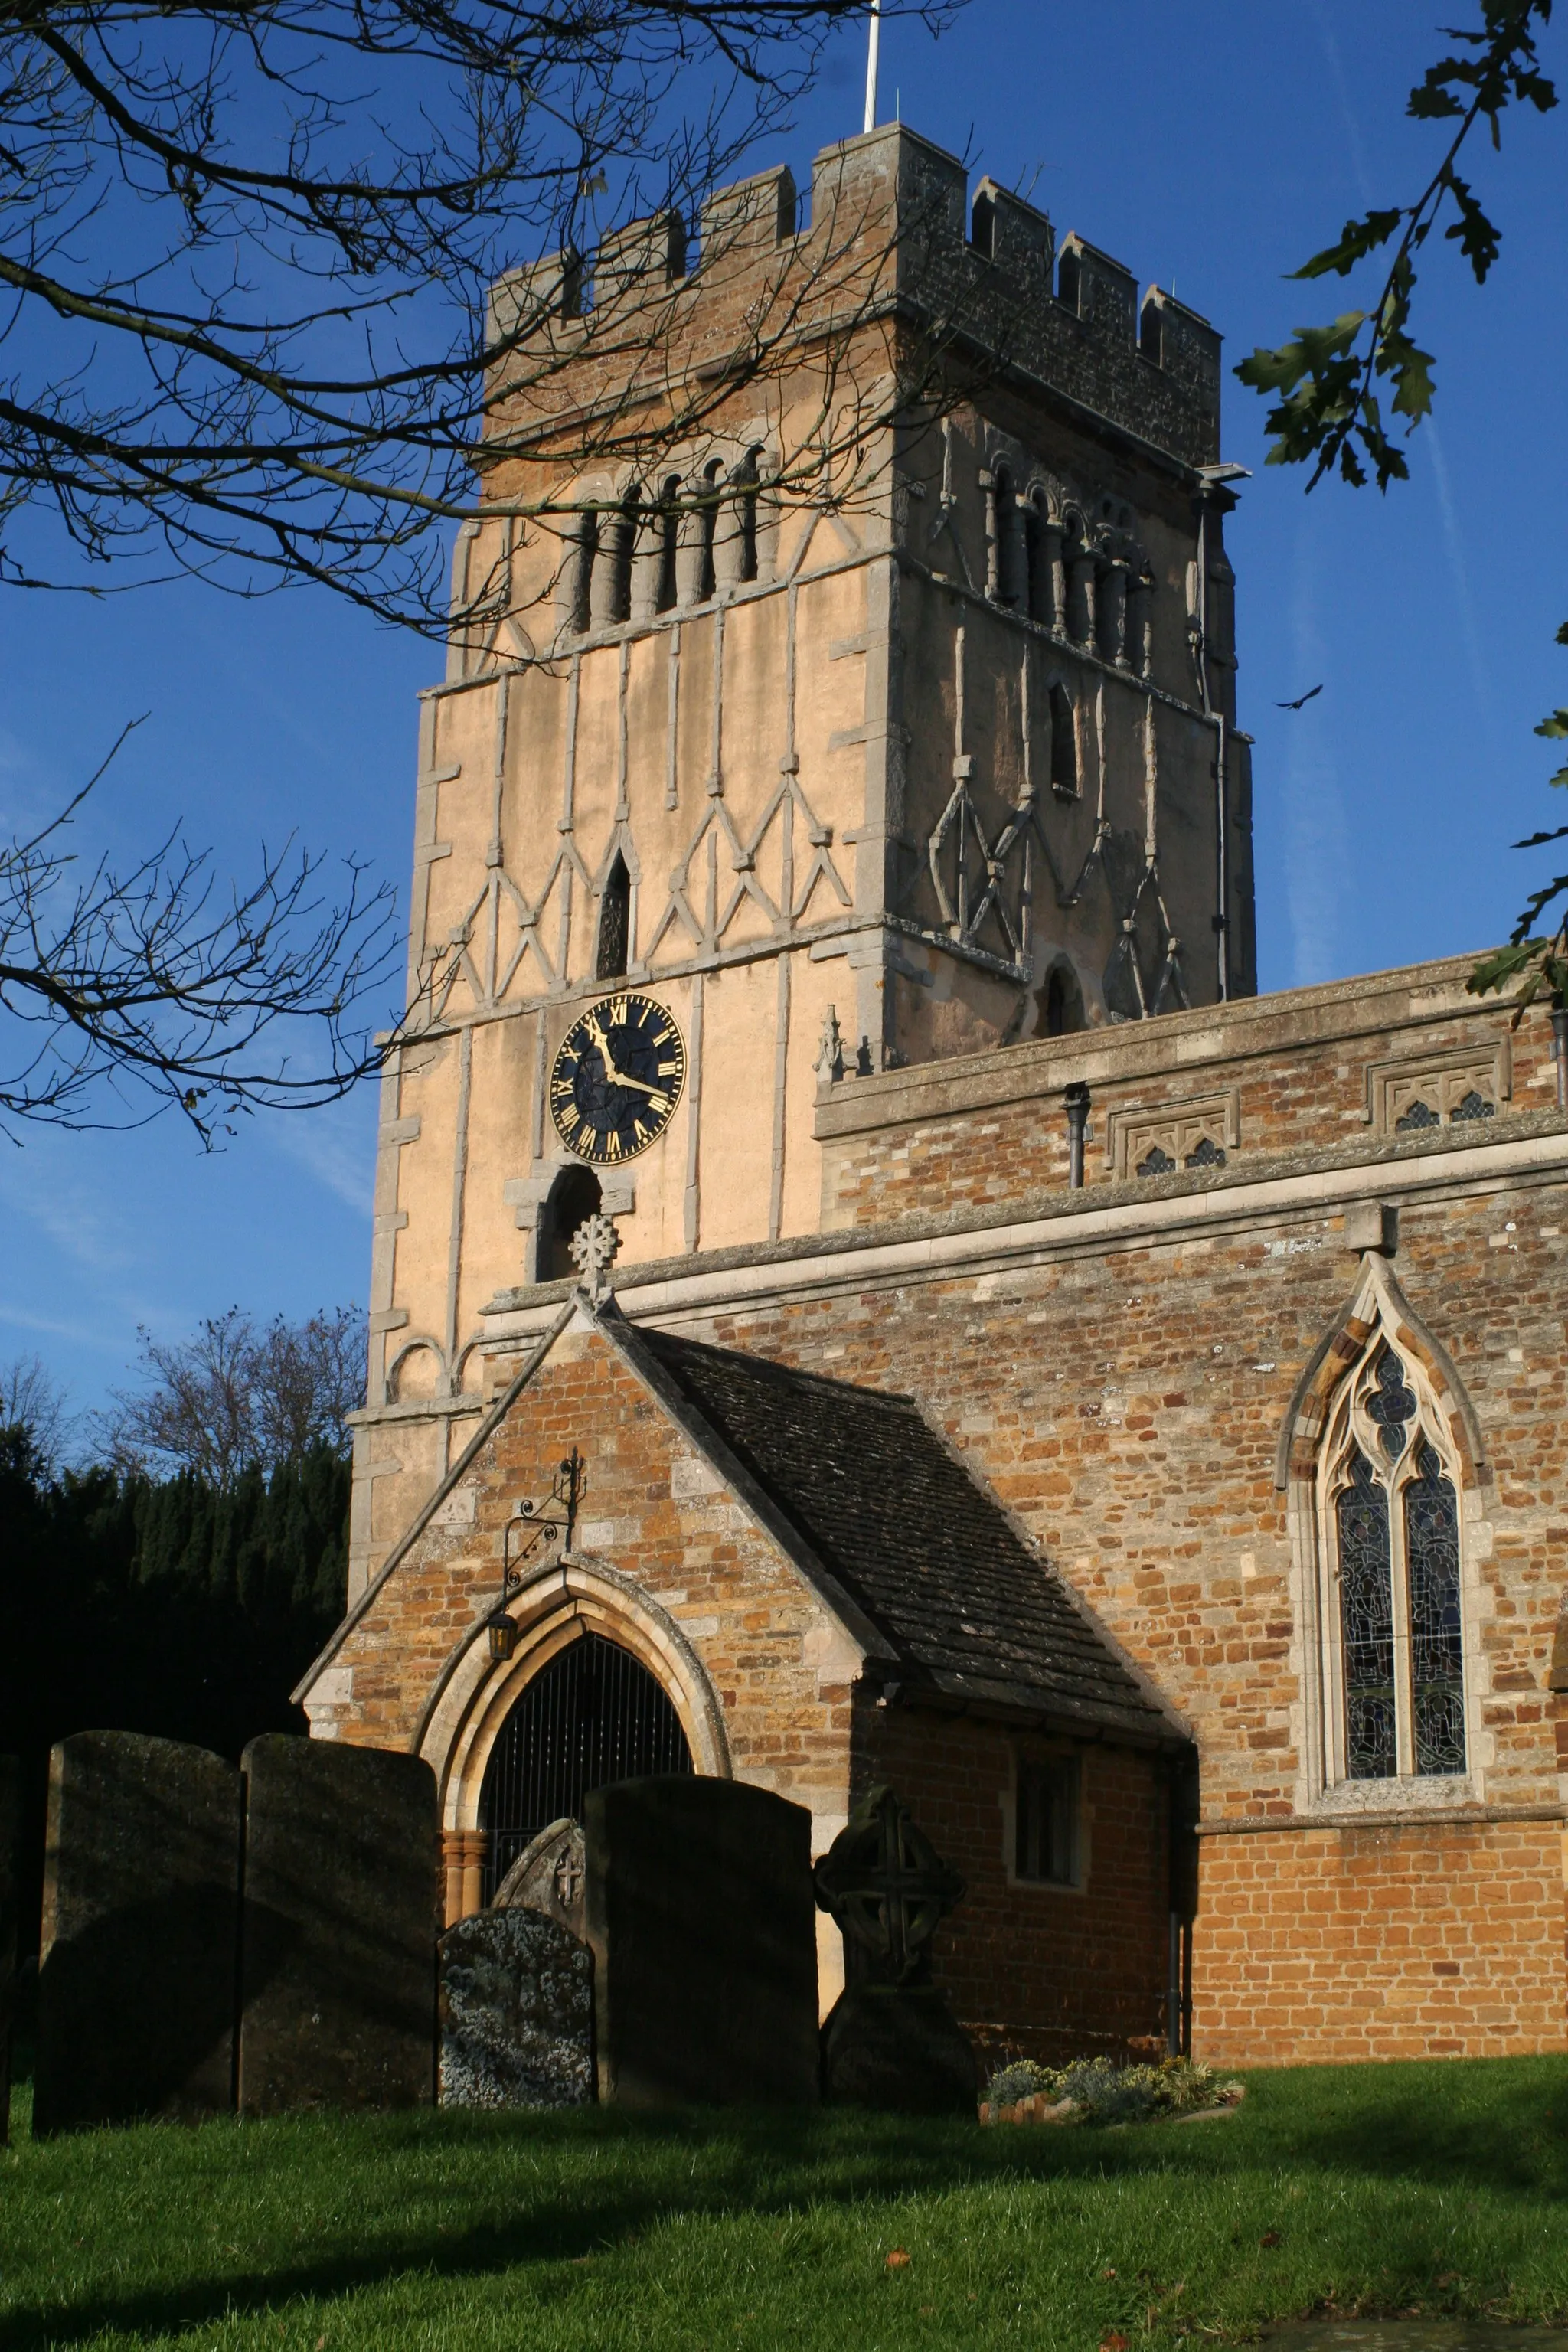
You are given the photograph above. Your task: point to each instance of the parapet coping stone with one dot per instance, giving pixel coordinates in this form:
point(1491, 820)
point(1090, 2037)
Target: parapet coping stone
point(1245, 1029)
point(1243, 1169)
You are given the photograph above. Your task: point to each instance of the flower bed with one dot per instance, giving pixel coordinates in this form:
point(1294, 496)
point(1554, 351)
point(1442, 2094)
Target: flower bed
point(1096, 2091)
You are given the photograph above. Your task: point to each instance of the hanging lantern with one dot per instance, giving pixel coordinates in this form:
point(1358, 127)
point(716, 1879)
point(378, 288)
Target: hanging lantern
point(502, 1633)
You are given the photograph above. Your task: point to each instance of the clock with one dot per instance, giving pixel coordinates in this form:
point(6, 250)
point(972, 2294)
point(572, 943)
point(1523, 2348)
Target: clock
point(617, 1078)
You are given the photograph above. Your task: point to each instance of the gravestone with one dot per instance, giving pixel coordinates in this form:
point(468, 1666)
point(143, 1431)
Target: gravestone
point(337, 1935)
point(890, 2040)
point(517, 2013)
point(141, 1894)
point(700, 1917)
point(10, 1866)
point(548, 1876)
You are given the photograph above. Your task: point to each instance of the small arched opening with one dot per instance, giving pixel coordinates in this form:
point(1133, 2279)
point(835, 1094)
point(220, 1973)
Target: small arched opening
point(746, 477)
point(1062, 1003)
point(1064, 744)
point(706, 579)
point(584, 555)
point(615, 923)
point(668, 588)
point(593, 1716)
point(575, 1197)
point(1005, 521)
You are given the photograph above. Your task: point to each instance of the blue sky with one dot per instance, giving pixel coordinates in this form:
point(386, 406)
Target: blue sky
point(1215, 143)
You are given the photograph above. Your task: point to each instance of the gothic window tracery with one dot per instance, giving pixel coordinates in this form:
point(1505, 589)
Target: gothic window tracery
point(1389, 1514)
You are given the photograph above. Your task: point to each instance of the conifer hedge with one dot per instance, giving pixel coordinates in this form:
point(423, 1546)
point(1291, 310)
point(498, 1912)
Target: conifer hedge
point(172, 1607)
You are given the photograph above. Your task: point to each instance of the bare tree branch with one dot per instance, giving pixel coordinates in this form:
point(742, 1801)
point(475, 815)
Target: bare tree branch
point(235, 1398)
point(249, 253)
point(122, 996)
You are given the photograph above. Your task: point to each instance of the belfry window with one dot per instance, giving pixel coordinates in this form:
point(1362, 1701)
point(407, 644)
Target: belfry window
point(1389, 1512)
point(615, 923)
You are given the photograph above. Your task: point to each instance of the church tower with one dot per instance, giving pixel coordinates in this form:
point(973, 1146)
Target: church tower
point(892, 723)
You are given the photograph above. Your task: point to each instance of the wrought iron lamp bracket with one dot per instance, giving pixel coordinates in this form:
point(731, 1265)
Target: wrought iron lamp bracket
point(541, 1522)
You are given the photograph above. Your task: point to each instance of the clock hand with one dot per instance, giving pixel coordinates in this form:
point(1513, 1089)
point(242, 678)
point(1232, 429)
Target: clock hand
point(642, 1085)
point(603, 1042)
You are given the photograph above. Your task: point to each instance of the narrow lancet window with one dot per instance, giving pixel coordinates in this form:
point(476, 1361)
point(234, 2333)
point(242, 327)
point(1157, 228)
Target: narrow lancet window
point(1436, 1660)
point(615, 923)
point(1064, 745)
point(1366, 1615)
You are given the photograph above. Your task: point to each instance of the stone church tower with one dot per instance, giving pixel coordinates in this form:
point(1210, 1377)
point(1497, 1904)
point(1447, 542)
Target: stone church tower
point(936, 755)
point(1119, 1408)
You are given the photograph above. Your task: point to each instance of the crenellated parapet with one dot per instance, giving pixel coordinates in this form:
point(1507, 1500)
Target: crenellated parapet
point(895, 245)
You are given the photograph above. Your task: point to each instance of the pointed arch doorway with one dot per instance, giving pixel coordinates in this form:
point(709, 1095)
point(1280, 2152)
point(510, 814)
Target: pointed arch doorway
point(593, 1715)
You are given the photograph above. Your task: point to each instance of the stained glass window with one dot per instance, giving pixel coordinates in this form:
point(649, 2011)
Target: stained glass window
point(1392, 1404)
point(1395, 1530)
point(1207, 1153)
point(1437, 1659)
point(1474, 1105)
point(1157, 1163)
point(1419, 1113)
point(1366, 1617)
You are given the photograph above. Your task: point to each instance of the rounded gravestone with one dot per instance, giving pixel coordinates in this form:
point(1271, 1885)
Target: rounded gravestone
point(517, 2013)
point(548, 1876)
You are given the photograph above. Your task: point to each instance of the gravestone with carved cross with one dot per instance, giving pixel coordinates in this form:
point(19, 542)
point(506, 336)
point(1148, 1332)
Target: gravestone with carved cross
point(890, 2040)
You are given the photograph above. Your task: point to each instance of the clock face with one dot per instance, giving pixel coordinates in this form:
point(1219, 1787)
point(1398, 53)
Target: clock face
point(617, 1078)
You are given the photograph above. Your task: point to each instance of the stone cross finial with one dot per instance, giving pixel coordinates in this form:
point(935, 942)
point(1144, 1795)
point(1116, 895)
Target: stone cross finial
point(595, 1247)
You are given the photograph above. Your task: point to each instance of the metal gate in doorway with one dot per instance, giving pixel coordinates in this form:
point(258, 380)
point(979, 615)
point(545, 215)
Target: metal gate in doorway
point(594, 1714)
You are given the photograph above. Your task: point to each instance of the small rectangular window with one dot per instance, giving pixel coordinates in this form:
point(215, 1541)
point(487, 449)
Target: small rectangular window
point(1048, 1820)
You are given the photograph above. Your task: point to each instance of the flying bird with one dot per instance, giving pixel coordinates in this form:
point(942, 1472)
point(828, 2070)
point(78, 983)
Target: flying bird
point(1300, 698)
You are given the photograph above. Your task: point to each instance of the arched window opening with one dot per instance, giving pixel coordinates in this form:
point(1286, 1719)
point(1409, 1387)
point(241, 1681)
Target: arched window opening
point(983, 226)
point(622, 539)
point(708, 519)
point(1078, 564)
point(1038, 567)
point(1070, 282)
point(1003, 584)
point(615, 923)
point(1064, 744)
point(593, 1716)
point(575, 1197)
point(1061, 1011)
point(586, 548)
point(746, 475)
point(668, 588)
point(1389, 1507)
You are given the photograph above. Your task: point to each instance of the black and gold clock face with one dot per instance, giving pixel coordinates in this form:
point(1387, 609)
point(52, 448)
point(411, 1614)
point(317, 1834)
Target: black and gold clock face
point(617, 1078)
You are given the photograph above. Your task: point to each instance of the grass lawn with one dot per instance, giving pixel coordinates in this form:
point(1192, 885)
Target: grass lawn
point(1378, 2190)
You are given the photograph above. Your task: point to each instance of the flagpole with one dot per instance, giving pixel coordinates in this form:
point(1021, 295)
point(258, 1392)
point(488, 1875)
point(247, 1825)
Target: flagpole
point(872, 47)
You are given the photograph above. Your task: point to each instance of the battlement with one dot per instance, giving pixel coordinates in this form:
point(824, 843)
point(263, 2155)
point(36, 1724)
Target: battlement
point(893, 235)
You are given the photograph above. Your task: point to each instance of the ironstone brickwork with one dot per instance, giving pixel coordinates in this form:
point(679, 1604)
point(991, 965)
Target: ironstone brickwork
point(1108, 1428)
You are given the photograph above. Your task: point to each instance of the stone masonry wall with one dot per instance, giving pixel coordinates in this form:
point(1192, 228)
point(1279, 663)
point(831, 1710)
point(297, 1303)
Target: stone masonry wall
point(1300, 1072)
point(1382, 1942)
point(655, 1515)
point(1127, 1402)
point(1046, 1972)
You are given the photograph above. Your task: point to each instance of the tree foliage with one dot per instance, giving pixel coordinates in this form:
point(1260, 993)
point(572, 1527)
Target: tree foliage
point(249, 252)
point(173, 1607)
point(240, 1399)
point(1326, 410)
point(1323, 380)
point(123, 994)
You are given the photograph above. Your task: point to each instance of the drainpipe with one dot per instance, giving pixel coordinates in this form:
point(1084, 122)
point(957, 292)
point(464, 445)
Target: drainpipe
point(1559, 1049)
point(1213, 477)
point(1076, 1102)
